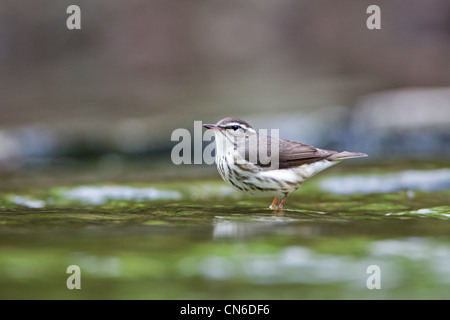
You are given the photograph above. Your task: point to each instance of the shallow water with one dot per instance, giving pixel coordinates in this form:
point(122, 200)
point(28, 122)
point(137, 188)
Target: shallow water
point(197, 239)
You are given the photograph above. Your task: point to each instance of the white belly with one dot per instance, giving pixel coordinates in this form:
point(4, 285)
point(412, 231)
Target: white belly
point(248, 178)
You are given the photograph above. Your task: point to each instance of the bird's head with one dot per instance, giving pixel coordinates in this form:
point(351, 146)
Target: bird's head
point(231, 133)
point(231, 128)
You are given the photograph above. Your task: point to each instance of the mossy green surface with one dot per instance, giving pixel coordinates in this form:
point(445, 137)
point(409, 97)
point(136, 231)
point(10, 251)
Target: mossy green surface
point(211, 243)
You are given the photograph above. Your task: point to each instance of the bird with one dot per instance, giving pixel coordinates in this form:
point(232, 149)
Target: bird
point(241, 161)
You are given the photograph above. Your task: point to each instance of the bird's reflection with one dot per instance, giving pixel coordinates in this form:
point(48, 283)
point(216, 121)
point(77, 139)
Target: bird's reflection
point(226, 227)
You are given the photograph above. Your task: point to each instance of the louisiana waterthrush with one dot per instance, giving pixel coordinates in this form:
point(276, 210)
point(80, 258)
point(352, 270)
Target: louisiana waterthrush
point(264, 165)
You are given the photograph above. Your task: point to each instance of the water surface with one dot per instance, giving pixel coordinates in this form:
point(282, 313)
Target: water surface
point(197, 239)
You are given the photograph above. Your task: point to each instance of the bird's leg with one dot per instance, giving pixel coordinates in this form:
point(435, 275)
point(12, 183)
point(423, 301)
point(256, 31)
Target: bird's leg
point(280, 205)
point(274, 202)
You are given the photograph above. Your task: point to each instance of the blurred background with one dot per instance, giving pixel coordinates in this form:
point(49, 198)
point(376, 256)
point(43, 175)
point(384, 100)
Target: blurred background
point(86, 176)
point(114, 91)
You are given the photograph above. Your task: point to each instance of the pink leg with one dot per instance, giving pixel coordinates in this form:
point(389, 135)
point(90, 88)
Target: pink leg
point(274, 202)
point(280, 206)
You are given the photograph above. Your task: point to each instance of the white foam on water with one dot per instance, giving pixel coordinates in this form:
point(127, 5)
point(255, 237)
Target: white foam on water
point(424, 180)
point(28, 202)
point(101, 194)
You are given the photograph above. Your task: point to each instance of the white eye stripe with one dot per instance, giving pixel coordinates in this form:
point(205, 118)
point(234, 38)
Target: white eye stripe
point(232, 124)
point(243, 126)
point(229, 126)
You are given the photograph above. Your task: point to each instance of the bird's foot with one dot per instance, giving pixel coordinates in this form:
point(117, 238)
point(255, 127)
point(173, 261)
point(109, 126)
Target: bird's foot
point(280, 206)
point(273, 206)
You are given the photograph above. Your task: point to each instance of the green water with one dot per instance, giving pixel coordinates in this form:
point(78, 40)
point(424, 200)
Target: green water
point(198, 240)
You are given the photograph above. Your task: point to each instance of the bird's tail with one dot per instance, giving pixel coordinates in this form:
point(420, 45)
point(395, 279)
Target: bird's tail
point(345, 155)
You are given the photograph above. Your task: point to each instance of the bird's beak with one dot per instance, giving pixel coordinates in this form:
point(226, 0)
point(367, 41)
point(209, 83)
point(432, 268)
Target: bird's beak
point(212, 127)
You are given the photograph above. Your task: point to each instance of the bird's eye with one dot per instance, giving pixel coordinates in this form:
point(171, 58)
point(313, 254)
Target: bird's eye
point(235, 127)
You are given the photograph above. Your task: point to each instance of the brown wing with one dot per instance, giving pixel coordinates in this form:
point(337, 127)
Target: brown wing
point(291, 153)
point(296, 153)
